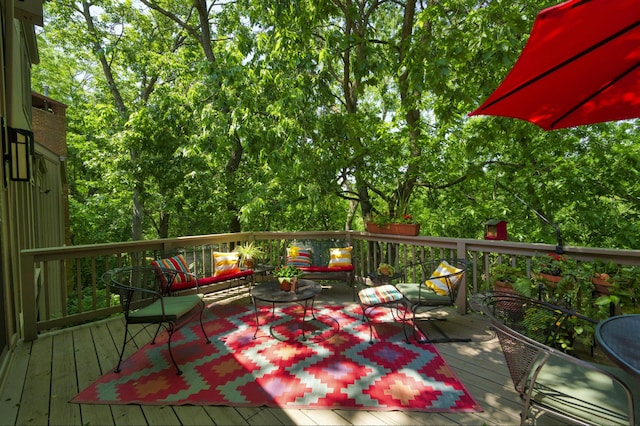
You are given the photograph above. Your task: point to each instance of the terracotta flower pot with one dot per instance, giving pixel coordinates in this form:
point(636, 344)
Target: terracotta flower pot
point(285, 283)
point(503, 287)
point(602, 286)
point(552, 280)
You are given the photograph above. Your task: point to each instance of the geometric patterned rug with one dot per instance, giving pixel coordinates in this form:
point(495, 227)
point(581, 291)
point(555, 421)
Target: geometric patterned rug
point(335, 368)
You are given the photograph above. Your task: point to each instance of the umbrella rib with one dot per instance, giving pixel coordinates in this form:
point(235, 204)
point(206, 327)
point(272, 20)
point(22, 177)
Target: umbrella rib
point(593, 95)
point(564, 63)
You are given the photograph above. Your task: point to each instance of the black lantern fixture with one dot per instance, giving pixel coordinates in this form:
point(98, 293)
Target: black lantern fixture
point(17, 151)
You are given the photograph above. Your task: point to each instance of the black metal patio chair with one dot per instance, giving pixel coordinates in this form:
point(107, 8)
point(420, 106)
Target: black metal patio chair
point(438, 284)
point(144, 300)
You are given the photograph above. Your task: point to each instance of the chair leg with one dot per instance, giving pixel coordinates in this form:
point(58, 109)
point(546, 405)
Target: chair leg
point(153, 341)
point(404, 323)
point(364, 315)
point(124, 344)
point(204, 333)
point(171, 328)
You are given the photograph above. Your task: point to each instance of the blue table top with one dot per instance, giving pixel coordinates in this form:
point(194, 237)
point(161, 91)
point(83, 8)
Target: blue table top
point(619, 337)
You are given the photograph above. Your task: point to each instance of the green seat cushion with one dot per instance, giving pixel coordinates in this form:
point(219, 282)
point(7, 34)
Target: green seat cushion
point(588, 394)
point(426, 296)
point(174, 308)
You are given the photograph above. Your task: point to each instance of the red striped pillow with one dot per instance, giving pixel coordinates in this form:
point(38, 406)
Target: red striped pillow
point(299, 257)
point(177, 263)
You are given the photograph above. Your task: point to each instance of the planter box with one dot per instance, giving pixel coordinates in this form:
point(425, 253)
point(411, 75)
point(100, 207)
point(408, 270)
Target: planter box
point(394, 228)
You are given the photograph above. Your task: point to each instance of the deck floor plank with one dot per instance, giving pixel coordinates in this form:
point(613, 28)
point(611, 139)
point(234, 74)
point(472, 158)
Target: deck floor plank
point(64, 384)
point(87, 371)
point(192, 414)
point(258, 416)
point(12, 391)
point(105, 336)
point(34, 406)
point(225, 415)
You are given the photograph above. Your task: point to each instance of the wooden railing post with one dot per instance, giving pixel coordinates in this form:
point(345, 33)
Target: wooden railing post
point(29, 308)
point(461, 301)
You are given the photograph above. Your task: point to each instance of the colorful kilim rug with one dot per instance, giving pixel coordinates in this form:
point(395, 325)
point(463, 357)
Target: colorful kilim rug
point(335, 367)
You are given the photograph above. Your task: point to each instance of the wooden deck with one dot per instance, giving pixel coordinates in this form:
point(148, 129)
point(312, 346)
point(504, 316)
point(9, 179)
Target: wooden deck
point(48, 372)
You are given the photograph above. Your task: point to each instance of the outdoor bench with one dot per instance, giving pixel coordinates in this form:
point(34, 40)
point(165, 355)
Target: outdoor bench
point(323, 260)
point(226, 274)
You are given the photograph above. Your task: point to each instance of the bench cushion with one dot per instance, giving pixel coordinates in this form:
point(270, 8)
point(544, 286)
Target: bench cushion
point(347, 268)
point(214, 279)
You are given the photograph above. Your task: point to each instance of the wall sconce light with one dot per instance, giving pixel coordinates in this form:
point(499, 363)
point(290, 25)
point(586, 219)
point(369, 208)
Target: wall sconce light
point(17, 153)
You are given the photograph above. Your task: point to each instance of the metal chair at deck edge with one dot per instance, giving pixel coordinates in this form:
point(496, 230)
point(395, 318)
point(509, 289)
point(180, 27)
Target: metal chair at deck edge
point(438, 287)
point(550, 379)
point(145, 299)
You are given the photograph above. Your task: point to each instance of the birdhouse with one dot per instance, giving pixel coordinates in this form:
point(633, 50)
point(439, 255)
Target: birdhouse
point(495, 230)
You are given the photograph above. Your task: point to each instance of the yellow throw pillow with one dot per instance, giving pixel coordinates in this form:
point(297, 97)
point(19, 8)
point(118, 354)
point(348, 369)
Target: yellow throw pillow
point(339, 257)
point(225, 263)
point(439, 285)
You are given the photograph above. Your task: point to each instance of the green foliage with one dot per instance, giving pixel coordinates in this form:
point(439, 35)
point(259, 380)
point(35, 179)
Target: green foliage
point(294, 115)
point(287, 272)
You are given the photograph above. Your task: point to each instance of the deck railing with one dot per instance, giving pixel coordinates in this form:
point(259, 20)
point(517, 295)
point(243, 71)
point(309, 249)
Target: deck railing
point(62, 286)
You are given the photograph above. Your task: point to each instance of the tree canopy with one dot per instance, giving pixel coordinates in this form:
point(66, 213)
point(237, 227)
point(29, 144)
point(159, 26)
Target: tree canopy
point(201, 116)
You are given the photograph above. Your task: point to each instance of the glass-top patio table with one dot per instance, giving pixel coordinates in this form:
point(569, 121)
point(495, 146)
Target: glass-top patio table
point(619, 337)
point(270, 292)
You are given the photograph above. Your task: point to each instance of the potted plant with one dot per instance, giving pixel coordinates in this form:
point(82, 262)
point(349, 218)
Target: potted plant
point(249, 252)
point(506, 278)
point(623, 288)
point(287, 277)
point(386, 269)
point(565, 280)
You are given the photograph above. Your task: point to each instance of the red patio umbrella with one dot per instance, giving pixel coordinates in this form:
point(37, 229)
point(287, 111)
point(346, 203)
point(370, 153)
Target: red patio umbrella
point(581, 65)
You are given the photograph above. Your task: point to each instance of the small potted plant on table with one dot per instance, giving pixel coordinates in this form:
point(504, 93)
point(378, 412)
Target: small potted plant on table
point(288, 277)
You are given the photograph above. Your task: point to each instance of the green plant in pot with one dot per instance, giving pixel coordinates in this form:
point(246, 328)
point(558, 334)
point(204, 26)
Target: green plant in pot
point(287, 277)
point(250, 253)
point(623, 290)
point(507, 278)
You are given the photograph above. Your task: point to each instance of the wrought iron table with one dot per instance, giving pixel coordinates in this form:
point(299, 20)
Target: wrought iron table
point(619, 337)
point(270, 292)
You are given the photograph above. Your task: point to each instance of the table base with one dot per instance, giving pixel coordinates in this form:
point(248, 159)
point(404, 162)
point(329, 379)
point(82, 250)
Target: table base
point(310, 327)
